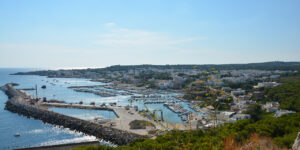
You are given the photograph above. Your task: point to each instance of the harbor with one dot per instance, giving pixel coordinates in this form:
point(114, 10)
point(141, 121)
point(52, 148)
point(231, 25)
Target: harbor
point(17, 104)
point(166, 110)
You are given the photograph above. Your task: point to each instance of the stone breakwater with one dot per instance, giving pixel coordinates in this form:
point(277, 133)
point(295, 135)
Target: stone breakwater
point(16, 104)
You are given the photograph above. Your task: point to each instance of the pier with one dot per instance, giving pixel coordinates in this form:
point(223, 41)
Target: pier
point(155, 99)
point(78, 106)
point(121, 123)
point(101, 90)
point(127, 116)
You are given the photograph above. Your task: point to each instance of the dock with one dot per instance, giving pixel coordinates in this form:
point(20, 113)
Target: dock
point(77, 106)
point(126, 116)
point(121, 123)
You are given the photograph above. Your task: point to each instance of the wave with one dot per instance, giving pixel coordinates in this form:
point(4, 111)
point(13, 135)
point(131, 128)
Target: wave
point(36, 131)
point(67, 141)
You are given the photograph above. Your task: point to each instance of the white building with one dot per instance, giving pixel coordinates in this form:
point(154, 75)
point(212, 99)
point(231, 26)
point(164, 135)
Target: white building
point(266, 84)
point(283, 112)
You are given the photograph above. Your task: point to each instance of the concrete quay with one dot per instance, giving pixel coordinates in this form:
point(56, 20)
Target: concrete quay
point(78, 106)
point(121, 123)
point(125, 117)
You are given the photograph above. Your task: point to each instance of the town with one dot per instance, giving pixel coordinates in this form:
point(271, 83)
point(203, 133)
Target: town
point(213, 96)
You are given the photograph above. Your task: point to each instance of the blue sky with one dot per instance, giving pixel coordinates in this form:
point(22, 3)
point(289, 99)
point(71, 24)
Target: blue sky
point(95, 33)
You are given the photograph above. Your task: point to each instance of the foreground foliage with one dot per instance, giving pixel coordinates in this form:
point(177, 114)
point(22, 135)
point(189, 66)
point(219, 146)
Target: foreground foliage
point(288, 95)
point(283, 130)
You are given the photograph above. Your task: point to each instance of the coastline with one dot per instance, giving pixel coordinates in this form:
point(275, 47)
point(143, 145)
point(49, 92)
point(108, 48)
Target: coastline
point(15, 104)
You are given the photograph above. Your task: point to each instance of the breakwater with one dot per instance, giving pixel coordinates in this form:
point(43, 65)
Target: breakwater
point(16, 104)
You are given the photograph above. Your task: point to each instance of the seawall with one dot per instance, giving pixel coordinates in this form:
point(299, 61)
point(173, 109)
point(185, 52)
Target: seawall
point(17, 105)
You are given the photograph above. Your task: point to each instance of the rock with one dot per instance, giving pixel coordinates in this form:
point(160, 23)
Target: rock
point(296, 145)
point(140, 124)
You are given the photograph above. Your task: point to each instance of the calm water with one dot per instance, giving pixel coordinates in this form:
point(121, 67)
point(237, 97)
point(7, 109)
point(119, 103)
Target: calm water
point(35, 133)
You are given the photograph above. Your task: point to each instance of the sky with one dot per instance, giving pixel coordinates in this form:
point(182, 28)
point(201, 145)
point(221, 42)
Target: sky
point(100, 33)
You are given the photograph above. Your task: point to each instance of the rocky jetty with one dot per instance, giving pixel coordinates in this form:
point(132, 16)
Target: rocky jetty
point(16, 104)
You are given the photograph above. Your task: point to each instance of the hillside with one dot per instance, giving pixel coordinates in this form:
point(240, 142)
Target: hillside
point(86, 72)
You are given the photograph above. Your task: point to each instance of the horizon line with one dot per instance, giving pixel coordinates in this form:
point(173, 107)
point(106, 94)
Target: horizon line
point(99, 67)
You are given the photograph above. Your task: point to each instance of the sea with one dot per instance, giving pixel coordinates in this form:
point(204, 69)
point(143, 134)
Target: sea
point(35, 132)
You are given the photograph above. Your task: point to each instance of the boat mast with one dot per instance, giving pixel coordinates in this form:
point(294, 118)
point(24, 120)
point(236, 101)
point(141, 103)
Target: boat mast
point(36, 92)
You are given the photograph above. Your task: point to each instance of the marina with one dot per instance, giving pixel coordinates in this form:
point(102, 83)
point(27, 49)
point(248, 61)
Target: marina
point(165, 110)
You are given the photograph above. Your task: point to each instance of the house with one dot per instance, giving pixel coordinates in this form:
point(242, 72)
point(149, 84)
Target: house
point(178, 82)
point(271, 106)
point(258, 95)
point(223, 98)
point(283, 112)
point(226, 114)
point(238, 92)
point(214, 83)
point(136, 108)
point(243, 98)
point(241, 116)
point(226, 88)
point(266, 84)
point(275, 76)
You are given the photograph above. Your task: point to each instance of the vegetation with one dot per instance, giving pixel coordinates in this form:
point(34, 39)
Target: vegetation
point(140, 124)
point(246, 86)
point(290, 77)
point(283, 130)
point(207, 96)
point(158, 76)
point(218, 105)
point(256, 112)
point(277, 65)
point(288, 95)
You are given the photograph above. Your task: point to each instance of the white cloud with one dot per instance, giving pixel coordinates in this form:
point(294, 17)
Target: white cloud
point(118, 46)
point(141, 40)
point(110, 24)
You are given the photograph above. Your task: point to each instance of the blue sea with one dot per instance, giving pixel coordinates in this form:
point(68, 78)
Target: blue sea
point(36, 133)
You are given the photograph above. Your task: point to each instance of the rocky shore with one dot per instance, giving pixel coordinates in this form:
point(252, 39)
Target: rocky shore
point(16, 104)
